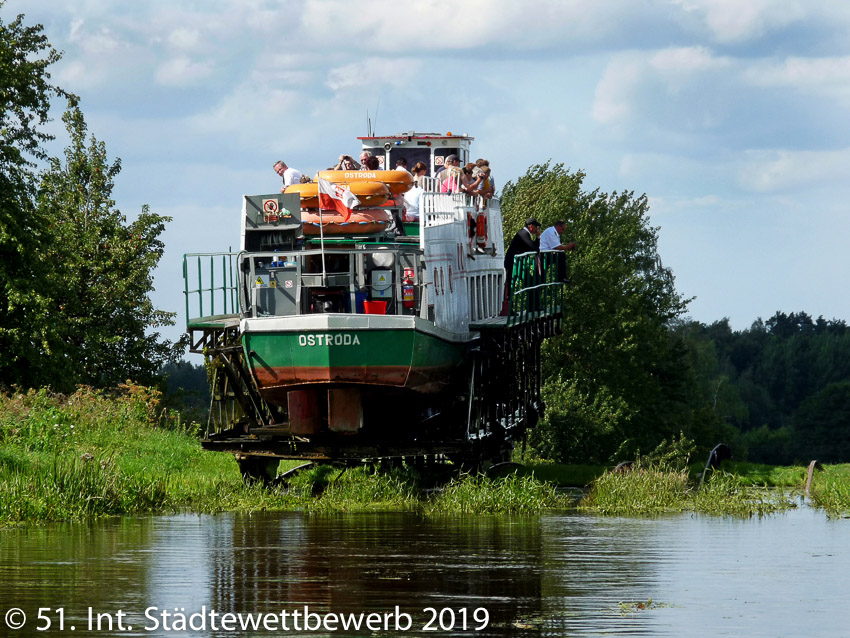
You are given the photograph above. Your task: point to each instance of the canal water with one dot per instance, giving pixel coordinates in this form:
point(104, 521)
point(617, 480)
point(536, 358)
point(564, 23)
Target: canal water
point(553, 575)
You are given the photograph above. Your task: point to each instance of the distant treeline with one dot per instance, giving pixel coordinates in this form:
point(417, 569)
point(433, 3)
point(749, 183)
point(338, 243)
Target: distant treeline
point(784, 384)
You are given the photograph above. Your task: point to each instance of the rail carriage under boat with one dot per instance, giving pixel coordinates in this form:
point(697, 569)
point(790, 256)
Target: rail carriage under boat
point(375, 336)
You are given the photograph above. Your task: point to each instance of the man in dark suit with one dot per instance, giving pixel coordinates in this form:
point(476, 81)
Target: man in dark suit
point(526, 240)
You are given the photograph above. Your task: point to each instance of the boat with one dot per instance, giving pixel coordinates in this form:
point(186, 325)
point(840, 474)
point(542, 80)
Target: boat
point(361, 221)
point(370, 193)
point(359, 342)
point(397, 181)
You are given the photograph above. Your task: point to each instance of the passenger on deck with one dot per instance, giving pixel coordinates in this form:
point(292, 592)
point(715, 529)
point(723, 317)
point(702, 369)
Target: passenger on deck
point(420, 170)
point(450, 179)
point(364, 155)
point(469, 183)
point(550, 239)
point(523, 242)
point(485, 164)
point(290, 175)
point(485, 188)
point(401, 165)
point(371, 163)
point(411, 202)
point(346, 163)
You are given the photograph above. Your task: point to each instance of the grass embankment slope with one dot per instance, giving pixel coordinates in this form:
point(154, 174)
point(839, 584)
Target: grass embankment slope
point(89, 454)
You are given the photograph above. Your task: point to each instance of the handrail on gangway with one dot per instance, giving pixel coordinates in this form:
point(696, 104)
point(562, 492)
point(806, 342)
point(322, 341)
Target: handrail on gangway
point(197, 265)
point(536, 286)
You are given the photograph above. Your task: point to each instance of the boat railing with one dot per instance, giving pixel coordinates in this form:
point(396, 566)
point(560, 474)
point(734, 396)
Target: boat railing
point(210, 284)
point(537, 286)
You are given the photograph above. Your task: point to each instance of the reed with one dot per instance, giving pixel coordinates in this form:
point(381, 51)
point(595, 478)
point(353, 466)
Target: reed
point(509, 495)
point(831, 489)
point(650, 490)
point(362, 489)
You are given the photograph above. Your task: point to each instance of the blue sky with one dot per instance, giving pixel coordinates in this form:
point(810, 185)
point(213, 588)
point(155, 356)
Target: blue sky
point(731, 116)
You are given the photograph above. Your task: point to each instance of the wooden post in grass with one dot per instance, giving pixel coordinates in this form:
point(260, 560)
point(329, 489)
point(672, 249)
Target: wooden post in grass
point(814, 465)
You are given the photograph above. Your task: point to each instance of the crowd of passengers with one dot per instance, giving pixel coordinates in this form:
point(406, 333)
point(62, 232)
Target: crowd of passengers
point(473, 179)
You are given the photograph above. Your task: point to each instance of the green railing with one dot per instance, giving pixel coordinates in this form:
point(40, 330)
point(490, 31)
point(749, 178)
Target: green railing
point(214, 275)
point(537, 286)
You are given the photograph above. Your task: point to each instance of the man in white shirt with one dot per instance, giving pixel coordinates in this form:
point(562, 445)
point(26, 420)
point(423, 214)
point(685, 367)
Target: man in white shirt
point(290, 175)
point(550, 239)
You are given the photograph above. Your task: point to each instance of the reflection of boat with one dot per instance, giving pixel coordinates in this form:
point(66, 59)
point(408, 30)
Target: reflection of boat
point(304, 369)
point(369, 193)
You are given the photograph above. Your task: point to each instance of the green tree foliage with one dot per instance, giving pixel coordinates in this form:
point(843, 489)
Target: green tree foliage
point(26, 335)
point(617, 380)
point(101, 269)
point(821, 427)
point(779, 382)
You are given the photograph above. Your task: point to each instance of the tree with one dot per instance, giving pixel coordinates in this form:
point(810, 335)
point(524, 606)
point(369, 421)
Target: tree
point(616, 380)
point(822, 425)
point(101, 269)
point(27, 337)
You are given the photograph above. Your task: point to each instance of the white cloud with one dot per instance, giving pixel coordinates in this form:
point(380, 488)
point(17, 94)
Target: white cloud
point(616, 89)
point(685, 61)
point(444, 26)
point(733, 21)
point(372, 74)
point(632, 79)
point(830, 75)
point(182, 71)
point(784, 170)
point(102, 41)
point(183, 38)
point(80, 75)
point(248, 110)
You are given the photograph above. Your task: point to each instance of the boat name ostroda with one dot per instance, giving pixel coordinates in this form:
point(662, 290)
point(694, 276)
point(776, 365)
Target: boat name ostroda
point(328, 340)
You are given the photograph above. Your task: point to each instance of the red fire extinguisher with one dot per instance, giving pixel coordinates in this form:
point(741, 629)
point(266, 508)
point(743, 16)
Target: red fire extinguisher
point(407, 289)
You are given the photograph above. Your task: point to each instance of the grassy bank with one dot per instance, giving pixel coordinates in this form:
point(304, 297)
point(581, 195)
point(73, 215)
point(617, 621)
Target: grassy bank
point(645, 490)
point(831, 489)
point(89, 454)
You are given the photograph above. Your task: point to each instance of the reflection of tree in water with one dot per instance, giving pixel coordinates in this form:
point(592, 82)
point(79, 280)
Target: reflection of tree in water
point(74, 566)
point(373, 562)
point(592, 565)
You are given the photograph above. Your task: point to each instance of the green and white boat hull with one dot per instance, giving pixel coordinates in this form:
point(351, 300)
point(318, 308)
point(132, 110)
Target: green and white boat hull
point(349, 350)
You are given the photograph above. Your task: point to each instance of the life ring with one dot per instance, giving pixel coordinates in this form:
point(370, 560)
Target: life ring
point(481, 229)
point(363, 221)
point(369, 193)
point(397, 181)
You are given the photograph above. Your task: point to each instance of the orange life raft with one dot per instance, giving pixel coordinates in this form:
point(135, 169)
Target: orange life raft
point(363, 221)
point(372, 193)
point(397, 181)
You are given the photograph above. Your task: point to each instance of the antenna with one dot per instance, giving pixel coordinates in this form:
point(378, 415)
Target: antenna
point(375, 119)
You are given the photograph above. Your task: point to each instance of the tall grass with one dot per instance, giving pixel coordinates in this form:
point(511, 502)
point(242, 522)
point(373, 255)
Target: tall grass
point(509, 495)
point(831, 489)
point(652, 489)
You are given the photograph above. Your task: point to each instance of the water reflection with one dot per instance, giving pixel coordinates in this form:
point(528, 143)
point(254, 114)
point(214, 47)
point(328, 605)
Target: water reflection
point(553, 575)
